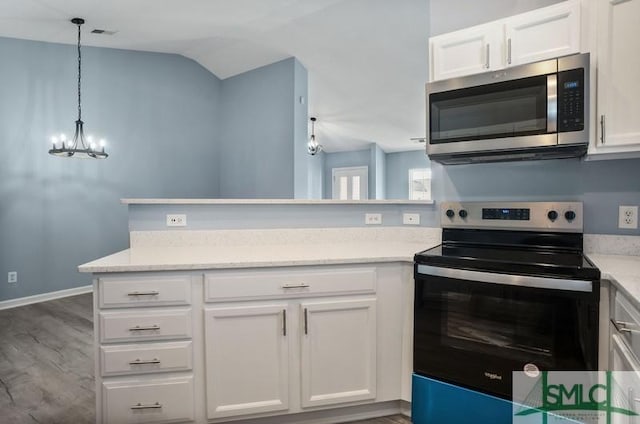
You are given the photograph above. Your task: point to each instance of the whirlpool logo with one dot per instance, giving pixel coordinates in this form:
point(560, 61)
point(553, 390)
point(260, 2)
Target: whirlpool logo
point(492, 376)
point(584, 397)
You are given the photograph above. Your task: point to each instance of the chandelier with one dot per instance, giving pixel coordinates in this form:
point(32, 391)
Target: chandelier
point(79, 146)
point(312, 146)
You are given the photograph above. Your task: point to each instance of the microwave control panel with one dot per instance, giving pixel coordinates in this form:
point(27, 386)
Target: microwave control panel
point(571, 100)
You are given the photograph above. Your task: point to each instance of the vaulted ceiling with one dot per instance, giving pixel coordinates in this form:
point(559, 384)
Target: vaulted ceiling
point(366, 59)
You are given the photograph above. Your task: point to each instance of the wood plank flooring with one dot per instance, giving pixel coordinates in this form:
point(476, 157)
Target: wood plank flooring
point(46, 364)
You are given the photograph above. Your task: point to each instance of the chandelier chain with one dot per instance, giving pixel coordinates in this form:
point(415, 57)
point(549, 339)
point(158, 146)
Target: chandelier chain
point(79, 75)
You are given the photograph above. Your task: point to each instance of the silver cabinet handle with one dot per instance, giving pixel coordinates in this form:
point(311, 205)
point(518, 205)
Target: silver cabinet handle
point(147, 328)
point(509, 51)
point(145, 361)
point(488, 58)
point(306, 327)
point(602, 129)
point(139, 405)
point(284, 322)
point(621, 326)
point(147, 293)
point(296, 286)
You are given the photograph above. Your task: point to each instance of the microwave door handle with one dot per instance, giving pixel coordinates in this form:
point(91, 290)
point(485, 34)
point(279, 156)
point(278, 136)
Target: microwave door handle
point(552, 103)
point(507, 279)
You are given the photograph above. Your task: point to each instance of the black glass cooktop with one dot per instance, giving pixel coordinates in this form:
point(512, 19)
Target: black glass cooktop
point(538, 254)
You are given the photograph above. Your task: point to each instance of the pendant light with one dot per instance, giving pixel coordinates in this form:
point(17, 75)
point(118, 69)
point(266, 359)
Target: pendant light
point(312, 146)
point(80, 146)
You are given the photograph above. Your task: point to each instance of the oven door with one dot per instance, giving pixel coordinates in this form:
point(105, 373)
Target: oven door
point(474, 328)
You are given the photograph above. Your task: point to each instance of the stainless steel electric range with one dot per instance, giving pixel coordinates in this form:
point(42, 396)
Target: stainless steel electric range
point(509, 289)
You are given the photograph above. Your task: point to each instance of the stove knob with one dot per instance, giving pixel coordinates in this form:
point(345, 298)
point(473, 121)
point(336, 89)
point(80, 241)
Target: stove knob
point(552, 215)
point(450, 213)
point(462, 213)
point(570, 215)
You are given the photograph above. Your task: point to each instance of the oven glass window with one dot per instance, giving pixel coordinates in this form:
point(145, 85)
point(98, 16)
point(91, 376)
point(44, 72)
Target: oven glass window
point(510, 328)
point(507, 109)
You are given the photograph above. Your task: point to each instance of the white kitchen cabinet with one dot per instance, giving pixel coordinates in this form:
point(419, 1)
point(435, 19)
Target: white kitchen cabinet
point(618, 90)
point(338, 356)
point(465, 52)
point(542, 34)
point(247, 359)
point(533, 36)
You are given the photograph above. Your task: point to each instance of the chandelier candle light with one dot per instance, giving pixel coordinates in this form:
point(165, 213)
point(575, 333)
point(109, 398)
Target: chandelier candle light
point(78, 147)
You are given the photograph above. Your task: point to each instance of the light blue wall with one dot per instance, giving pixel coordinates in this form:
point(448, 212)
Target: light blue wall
point(315, 187)
point(378, 169)
point(343, 160)
point(159, 114)
point(258, 116)
point(307, 168)
point(601, 185)
point(214, 217)
point(398, 166)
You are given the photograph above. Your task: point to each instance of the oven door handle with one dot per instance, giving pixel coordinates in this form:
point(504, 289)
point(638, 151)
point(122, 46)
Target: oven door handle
point(507, 279)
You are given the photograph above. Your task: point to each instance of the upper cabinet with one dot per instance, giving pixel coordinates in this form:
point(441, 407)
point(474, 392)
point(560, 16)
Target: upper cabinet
point(618, 89)
point(529, 37)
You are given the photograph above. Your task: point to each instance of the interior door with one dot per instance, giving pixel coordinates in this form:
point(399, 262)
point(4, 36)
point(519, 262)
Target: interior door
point(350, 183)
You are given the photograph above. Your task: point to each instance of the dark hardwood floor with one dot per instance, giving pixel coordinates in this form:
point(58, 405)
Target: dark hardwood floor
point(46, 364)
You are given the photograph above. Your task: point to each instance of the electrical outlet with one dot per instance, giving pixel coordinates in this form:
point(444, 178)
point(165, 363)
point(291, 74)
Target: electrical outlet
point(411, 218)
point(628, 217)
point(12, 277)
point(373, 218)
point(176, 220)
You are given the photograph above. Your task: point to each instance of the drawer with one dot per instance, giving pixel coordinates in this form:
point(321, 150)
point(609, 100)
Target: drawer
point(153, 401)
point(626, 322)
point(234, 285)
point(148, 325)
point(133, 292)
point(145, 358)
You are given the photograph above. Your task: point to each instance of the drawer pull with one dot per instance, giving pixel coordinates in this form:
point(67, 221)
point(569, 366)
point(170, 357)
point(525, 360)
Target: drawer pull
point(295, 286)
point(139, 405)
point(145, 361)
point(148, 328)
point(147, 293)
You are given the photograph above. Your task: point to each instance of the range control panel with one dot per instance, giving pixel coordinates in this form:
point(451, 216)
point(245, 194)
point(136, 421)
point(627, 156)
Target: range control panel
point(525, 216)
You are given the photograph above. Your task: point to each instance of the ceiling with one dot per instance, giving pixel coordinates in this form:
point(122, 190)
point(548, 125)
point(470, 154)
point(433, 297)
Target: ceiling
point(366, 59)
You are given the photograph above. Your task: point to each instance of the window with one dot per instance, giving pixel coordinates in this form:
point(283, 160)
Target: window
point(350, 183)
point(420, 184)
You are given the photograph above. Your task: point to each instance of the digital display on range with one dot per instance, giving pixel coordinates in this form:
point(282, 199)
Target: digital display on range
point(506, 214)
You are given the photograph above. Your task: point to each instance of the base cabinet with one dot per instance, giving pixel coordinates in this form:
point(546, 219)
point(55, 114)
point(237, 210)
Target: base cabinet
point(307, 342)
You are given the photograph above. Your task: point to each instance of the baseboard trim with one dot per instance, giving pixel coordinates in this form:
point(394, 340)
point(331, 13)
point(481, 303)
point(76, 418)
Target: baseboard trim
point(37, 298)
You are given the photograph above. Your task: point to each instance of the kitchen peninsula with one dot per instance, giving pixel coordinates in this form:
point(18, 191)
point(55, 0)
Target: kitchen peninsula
point(280, 310)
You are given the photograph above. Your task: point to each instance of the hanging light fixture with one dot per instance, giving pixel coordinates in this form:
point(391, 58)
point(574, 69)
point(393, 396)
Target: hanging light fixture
point(78, 146)
point(312, 146)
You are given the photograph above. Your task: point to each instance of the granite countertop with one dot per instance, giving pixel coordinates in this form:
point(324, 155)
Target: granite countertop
point(216, 257)
point(622, 271)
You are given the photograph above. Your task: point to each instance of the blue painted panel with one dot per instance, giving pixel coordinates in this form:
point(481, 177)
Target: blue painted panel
point(435, 402)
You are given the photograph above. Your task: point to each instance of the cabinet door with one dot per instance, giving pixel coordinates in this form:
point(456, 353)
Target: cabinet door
point(338, 357)
point(627, 384)
point(247, 360)
point(465, 52)
point(618, 70)
point(544, 33)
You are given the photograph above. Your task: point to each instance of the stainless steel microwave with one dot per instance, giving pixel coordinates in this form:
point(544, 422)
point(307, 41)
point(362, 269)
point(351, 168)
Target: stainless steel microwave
point(534, 111)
